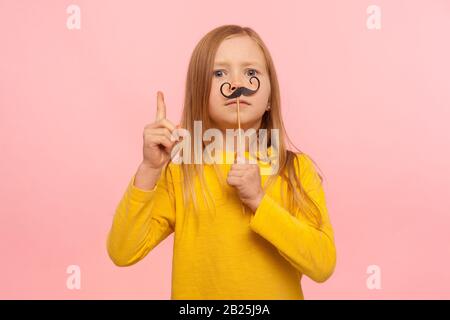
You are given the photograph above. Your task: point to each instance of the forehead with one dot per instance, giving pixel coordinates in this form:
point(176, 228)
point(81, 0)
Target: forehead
point(239, 50)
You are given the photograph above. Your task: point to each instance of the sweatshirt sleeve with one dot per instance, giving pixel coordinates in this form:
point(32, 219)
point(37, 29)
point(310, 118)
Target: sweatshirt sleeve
point(310, 249)
point(143, 219)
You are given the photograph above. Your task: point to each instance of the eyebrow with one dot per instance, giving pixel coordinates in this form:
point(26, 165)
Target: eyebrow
point(243, 64)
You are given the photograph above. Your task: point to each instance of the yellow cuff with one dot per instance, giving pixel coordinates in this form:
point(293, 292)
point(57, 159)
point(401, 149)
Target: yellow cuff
point(138, 194)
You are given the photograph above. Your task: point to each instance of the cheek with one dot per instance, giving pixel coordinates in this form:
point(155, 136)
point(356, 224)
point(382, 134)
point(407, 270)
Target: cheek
point(266, 92)
point(214, 95)
point(263, 97)
point(215, 102)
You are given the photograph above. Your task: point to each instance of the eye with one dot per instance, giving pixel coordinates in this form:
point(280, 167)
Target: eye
point(252, 72)
point(218, 73)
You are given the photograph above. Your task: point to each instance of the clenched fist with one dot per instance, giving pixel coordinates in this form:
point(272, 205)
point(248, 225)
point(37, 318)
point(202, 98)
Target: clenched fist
point(246, 179)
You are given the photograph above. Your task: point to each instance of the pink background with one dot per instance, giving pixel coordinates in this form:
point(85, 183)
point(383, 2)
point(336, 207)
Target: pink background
point(372, 107)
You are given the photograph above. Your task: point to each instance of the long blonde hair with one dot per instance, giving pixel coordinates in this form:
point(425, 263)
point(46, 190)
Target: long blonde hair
point(197, 91)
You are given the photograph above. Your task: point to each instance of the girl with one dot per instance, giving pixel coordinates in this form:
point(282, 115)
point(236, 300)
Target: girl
point(238, 234)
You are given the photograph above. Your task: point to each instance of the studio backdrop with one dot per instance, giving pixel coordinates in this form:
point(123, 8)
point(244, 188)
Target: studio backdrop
point(364, 90)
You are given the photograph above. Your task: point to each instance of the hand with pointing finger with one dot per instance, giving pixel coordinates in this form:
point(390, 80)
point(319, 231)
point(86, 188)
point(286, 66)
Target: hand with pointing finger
point(157, 136)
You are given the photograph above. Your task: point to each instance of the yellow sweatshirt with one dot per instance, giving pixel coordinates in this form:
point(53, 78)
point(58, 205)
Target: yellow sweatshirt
point(232, 253)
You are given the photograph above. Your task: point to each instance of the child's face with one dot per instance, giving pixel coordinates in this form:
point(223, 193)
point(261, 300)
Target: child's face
point(236, 61)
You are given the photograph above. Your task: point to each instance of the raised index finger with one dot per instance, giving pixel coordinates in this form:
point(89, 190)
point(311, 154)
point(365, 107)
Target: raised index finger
point(160, 107)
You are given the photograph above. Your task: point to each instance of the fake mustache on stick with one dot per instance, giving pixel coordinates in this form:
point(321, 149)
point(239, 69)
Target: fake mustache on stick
point(236, 94)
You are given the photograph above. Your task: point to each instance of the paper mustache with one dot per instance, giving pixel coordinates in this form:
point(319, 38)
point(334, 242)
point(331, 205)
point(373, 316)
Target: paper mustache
point(240, 90)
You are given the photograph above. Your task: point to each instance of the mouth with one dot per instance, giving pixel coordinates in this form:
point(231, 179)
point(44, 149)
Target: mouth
point(233, 102)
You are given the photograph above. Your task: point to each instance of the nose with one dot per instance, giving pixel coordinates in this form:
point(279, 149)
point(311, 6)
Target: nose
point(236, 82)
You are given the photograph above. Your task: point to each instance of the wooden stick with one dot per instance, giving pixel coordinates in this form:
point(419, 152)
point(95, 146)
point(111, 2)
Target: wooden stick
point(239, 124)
